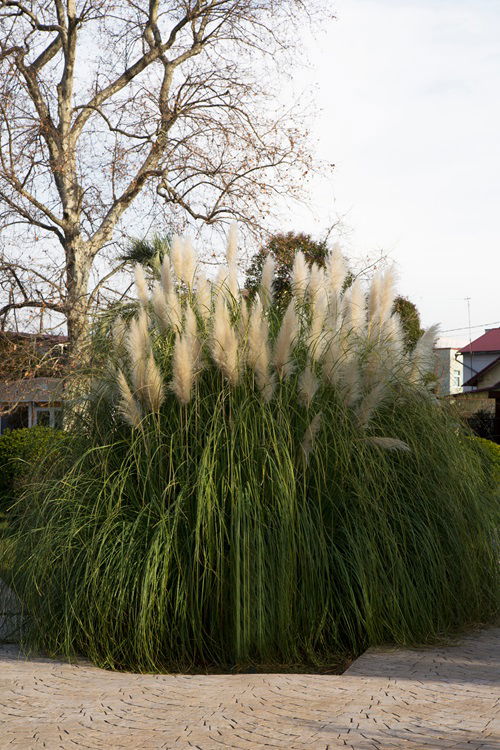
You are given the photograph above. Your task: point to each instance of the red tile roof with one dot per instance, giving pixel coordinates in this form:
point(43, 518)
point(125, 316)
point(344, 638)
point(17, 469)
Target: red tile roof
point(488, 342)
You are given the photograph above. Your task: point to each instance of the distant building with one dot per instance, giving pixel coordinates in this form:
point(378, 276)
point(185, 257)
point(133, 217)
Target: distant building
point(30, 402)
point(479, 354)
point(449, 371)
point(481, 388)
point(31, 383)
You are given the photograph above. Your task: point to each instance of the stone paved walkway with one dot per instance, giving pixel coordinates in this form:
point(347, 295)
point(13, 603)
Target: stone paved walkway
point(410, 699)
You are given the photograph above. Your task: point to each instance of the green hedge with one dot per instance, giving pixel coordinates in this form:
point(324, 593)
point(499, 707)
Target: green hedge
point(492, 450)
point(20, 450)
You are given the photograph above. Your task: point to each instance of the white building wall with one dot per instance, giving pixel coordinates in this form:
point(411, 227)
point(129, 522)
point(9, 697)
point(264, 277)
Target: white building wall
point(449, 371)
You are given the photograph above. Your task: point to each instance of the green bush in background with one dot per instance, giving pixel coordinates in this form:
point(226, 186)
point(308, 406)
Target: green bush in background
point(21, 451)
point(492, 450)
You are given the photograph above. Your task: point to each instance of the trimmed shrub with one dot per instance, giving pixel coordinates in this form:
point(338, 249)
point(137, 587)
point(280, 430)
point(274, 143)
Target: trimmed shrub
point(258, 487)
point(21, 451)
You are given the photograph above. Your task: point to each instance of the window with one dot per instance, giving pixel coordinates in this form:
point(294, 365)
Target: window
point(47, 416)
point(42, 417)
point(456, 377)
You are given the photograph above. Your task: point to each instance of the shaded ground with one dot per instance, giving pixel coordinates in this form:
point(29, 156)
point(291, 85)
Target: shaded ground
point(417, 699)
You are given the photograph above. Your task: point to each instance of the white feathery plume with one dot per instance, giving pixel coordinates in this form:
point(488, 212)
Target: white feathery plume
point(374, 365)
point(160, 307)
point(370, 403)
point(226, 283)
point(182, 369)
point(338, 351)
point(355, 309)
point(266, 284)
point(174, 310)
point(310, 435)
point(308, 385)
point(424, 350)
point(388, 443)
point(258, 355)
point(341, 367)
point(336, 271)
point(334, 314)
point(330, 360)
point(204, 297)
point(316, 281)
point(231, 283)
point(141, 285)
point(255, 333)
point(191, 333)
point(232, 243)
point(374, 296)
point(221, 278)
point(221, 284)
point(244, 316)
point(167, 308)
point(380, 304)
point(190, 324)
point(177, 255)
point(284, 342)
point(332, 354)
point(128, 406)
point(300, 275)
point(350, 378)
point(225, 342)
point(422, 358)
point(154, 393)
point(166, 274)
point(119, 332)
point(138, 347)
point(266, 381)
point(189, 262)
point(387, 293)
point(317, 339)
point(394, 335)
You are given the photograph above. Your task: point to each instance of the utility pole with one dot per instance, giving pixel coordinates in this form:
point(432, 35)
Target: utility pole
point(467, 299)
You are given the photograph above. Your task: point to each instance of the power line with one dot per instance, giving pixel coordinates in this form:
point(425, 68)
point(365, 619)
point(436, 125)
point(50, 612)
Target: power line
point(466, 328)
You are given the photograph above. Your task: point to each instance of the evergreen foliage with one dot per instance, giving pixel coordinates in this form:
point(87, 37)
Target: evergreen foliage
point(410, 321)
point(283, 247)
point(20, 450)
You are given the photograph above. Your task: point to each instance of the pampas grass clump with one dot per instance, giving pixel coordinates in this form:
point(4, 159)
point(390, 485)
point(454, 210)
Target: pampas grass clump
point(246, 487)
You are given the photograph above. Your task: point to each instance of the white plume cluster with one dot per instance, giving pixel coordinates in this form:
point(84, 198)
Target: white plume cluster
point(336, 271)
point(141, 285)
point(183, 259)
point(258, 351)
point(224, 342)
point(287, 334)
point(182, 369)
point(350, 339)
point(266, 285)
point(300, 276)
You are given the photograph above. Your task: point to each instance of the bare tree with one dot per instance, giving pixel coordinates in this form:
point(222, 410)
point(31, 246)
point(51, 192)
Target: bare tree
point(106, 101)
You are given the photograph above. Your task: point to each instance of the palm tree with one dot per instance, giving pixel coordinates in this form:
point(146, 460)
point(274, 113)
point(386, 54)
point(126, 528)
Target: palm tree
point(148, 252)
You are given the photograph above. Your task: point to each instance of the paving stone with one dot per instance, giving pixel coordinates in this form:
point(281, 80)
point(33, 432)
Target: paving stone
point(414, 699)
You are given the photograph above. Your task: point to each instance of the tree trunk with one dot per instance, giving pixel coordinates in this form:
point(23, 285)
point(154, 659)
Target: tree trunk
point(78, 265)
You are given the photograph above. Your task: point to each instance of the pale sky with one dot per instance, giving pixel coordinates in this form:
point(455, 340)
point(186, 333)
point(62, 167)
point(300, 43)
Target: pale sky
point(410, 115)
